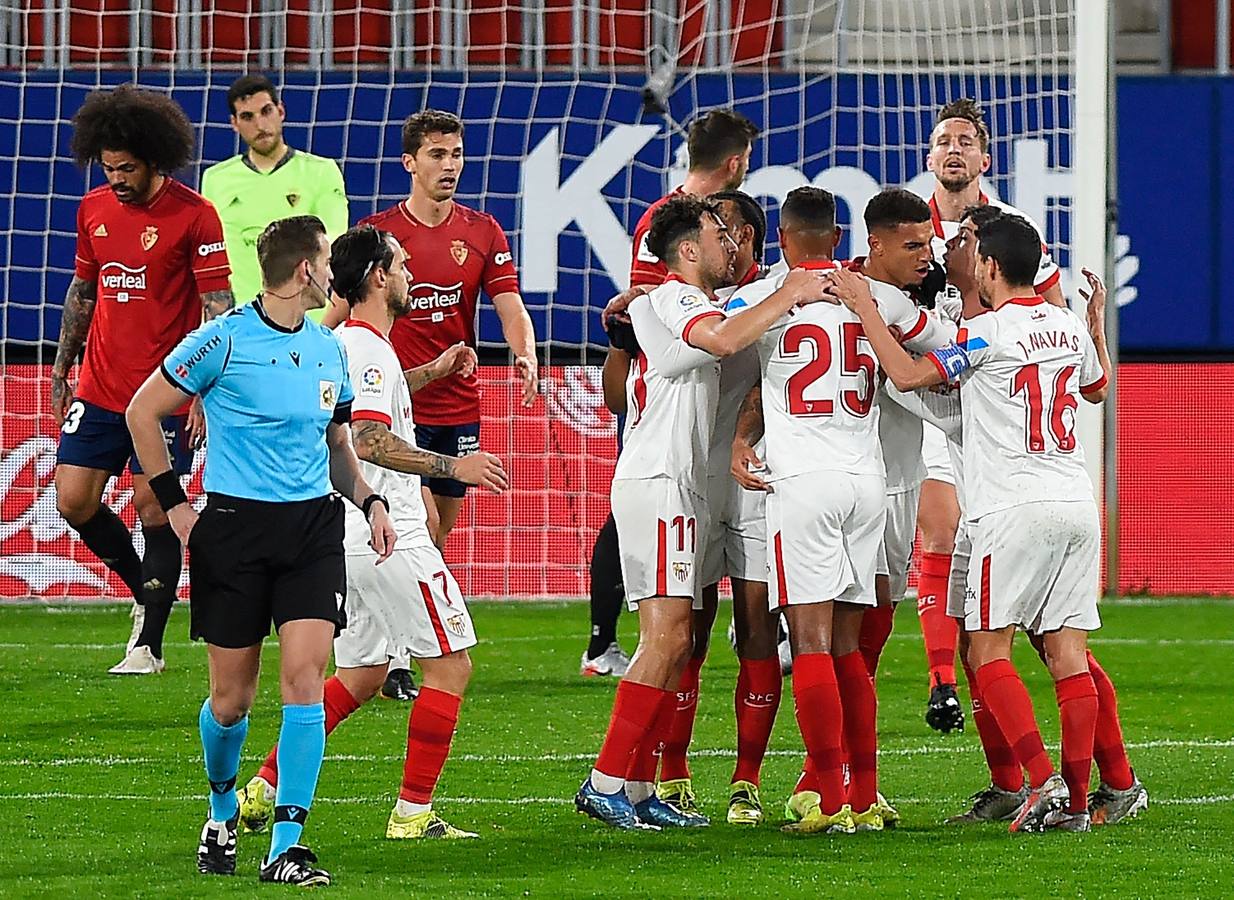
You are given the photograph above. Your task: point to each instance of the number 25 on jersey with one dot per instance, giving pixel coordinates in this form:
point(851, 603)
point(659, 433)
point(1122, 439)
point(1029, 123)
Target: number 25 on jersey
point(812, 343)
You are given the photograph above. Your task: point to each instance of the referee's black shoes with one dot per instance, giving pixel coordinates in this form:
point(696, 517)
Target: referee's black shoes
point(399, 686)
point(216, 853)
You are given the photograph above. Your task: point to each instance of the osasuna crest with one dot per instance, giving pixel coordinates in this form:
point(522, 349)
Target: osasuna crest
point(458, 249)
point(149, 237)
point(292, 199)
point(681, 571)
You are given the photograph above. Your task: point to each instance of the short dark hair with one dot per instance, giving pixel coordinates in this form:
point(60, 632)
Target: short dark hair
point(751, 213)
point(353, 255)
point(814, 207)
point(895, 206)
point(716, 135)
point(428, 121)
point(980, 213)
point(246, 86)
point(285, 244)
point(970, 111)
point(1013, 243)
point(680, 219)
point(149, 125)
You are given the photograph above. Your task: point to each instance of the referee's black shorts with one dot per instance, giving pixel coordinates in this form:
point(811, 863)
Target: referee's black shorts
point(253, 563)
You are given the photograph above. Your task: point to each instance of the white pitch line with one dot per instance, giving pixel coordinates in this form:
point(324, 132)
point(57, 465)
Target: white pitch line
point(704, 753)
point(1206, 800)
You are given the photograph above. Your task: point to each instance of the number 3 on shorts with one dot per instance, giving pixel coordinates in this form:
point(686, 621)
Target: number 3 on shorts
point(72, 418)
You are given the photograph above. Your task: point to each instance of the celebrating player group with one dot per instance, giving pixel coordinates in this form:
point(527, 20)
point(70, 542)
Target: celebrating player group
point(775, 434)
point(788, 427)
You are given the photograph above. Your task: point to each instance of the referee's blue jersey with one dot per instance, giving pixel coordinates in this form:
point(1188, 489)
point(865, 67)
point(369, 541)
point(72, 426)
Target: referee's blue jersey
point(268, 393)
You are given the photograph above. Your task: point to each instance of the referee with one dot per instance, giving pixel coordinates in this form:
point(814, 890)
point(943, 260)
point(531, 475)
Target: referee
point(268, 547)
point(269, 180)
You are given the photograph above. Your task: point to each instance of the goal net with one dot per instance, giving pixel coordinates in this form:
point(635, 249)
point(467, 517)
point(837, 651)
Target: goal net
point(574, 115)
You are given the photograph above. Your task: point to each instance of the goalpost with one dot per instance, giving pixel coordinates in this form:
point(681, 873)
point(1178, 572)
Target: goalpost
point(574, 114)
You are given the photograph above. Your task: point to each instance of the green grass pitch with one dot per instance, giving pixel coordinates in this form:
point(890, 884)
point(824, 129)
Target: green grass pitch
point(102, 792)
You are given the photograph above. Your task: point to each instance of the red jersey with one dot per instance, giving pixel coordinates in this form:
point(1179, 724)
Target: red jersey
point(151, 263)
point(449, 264)
point(646, 267)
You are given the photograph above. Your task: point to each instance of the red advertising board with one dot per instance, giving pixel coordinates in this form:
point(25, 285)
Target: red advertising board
point(1177, 505)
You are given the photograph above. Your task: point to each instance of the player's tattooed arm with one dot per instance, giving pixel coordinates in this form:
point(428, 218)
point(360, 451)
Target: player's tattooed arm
point(457, 359)
point(749, 432)
point(347, 478)
point(79, 305)
point(215, 303)
point(377, 444)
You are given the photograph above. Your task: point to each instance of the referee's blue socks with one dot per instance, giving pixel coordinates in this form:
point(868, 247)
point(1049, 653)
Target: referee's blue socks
point(302, 742)
point(222, 745)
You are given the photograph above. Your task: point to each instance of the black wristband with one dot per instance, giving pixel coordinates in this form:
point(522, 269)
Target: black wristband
point(167, 490)
point(370, 500)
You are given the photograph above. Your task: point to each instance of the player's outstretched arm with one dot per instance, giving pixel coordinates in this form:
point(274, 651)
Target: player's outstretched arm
point(457, 359)
point(905, 372)
point(1095, 317)
point(749, 432)
point(725, 336)
point(156, 399)
point(377, 444)
point(215, 303)
point(521, 336)
point(75, 321)
point(348, 480)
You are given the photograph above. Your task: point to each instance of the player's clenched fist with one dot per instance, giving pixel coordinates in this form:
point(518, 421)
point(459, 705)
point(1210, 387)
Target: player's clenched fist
point(483, 469)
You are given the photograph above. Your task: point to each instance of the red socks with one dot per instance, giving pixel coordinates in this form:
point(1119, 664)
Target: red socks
point(819, 712)
point(860, 729)
point(339, 705)
point(937, 628)
point(875, 630)
point(430, 728)
point(1004, 694)
point(759, 685)
point(1077, 713)
point(1108, 748)
point(673, 764)
point(1005, 771)
point(634, 711)
point(646, 756)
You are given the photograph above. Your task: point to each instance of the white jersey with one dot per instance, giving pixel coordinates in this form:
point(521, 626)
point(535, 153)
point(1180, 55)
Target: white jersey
point(738, 373)
point(1022, 369)
point(820, 378)
point(672, 389)
point(382, 395)
point(1048, 273)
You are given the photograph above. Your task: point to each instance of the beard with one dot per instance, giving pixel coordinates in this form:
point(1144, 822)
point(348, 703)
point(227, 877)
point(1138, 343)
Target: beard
point(955, 182)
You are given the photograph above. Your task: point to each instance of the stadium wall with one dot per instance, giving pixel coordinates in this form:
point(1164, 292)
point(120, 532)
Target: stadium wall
point(527, 136)
point(535, 540)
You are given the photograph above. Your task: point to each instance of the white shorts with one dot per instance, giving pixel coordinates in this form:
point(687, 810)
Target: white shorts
point(935, 455)
point(899, 536)
point(661, 529)
point(958, 582)
point(825, 529)
point(1035, 566)
point(737, 539)
point(410, 605)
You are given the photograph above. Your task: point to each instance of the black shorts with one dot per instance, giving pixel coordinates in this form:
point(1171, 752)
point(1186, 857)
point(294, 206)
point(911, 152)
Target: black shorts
point(253, 563)
point(448, 440)
point(97, 438)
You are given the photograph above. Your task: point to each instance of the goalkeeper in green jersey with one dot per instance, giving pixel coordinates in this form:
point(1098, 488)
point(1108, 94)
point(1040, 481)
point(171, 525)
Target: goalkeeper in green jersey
point(268, 181)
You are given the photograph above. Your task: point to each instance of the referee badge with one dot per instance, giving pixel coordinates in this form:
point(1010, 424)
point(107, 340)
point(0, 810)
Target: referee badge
point(328, 395)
